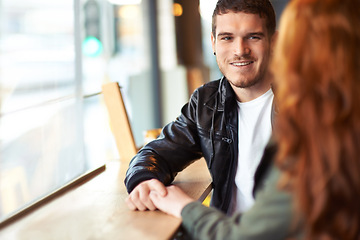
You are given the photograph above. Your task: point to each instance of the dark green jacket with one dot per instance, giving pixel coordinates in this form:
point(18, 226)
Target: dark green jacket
point(270, 218)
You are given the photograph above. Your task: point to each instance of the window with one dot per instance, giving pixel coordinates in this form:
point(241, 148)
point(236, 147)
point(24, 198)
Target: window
point(47, 127)
point(54, 57)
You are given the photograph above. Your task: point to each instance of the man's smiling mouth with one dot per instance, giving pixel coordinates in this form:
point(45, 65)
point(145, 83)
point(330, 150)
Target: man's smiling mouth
point(242, 63)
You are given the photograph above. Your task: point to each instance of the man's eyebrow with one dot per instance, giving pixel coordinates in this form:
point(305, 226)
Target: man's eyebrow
point(262, 34)
point(224, 34)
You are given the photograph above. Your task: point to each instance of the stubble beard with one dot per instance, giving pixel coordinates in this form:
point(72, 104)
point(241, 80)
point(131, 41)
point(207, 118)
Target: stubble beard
point(246, 83)
point(249, 84)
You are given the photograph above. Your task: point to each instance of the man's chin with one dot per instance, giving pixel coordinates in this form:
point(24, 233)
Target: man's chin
point(244, 83)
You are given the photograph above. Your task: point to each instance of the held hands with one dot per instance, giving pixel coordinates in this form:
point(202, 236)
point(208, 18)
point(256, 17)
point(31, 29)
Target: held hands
point(174, 201)
point(139, 198)
point(152, 195)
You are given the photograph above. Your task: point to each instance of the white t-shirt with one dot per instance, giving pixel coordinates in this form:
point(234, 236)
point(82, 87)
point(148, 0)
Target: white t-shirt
point(254, 133)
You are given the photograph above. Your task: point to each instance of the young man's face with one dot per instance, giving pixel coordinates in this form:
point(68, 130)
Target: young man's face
point(242, 46)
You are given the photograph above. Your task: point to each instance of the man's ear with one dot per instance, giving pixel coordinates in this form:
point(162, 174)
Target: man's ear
point(213, 39)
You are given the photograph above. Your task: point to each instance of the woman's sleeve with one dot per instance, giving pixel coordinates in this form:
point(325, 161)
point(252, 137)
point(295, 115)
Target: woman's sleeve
point(269, 218)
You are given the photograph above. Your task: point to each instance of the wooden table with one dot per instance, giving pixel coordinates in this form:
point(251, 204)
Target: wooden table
point(97, 210)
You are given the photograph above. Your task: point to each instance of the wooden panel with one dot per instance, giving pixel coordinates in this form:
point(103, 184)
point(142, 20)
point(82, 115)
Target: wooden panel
point(119, 121)
point(97, 210)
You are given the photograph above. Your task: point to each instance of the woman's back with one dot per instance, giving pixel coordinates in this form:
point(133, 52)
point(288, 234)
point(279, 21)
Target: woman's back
point(317, 70)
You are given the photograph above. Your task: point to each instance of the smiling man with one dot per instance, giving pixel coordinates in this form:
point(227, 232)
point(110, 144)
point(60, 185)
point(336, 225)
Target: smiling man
point(242, 46)
point(227, 121)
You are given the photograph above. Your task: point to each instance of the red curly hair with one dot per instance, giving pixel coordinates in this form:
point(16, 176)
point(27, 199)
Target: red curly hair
point(316, 67)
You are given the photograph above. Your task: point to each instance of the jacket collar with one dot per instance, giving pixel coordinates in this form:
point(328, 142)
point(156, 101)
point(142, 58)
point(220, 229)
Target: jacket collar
point(227, 93)
point(227, 96)
point(223, 94)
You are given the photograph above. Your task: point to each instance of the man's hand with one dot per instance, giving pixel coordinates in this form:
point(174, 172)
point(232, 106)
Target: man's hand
point(139, 198)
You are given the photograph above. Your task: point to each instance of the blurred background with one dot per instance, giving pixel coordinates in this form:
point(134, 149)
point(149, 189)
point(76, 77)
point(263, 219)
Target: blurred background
point(55, 56)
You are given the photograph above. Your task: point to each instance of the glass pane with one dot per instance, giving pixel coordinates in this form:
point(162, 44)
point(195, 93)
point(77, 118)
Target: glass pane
point(93, 50)
point(40, 154)
point(41, 131)
point(36, 52)
point(99, 140)
point(130, 65)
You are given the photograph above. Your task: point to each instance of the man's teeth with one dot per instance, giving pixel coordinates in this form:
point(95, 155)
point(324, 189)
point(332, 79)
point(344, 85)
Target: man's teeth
point(242, 63)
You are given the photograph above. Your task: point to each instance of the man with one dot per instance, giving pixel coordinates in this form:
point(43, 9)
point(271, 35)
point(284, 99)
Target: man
point(228, 121)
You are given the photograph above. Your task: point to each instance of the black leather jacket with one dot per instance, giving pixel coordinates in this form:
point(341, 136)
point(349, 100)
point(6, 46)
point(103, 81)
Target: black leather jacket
point(207, 127)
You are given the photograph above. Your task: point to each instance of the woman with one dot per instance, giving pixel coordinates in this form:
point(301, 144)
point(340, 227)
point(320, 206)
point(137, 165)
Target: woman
point(313, 189)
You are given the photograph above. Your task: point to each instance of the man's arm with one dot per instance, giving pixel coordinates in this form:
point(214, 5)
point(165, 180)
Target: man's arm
point(177, 147)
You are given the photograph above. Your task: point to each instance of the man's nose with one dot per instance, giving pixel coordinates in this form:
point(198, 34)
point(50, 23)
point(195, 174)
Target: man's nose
point(241, 48)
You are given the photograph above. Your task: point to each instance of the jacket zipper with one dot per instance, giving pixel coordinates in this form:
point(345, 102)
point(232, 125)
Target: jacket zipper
point(229, 190)
point(228, 140)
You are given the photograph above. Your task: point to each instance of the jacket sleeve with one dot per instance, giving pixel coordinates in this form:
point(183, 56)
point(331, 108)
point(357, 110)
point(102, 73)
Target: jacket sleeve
point(269, 218)
point(176, 147)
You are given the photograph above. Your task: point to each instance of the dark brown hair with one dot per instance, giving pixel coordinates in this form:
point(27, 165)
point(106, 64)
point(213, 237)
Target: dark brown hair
point(316, 67)
point(262, 7)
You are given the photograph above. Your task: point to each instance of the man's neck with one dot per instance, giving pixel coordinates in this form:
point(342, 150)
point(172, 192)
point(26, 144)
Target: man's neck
point(251, 93)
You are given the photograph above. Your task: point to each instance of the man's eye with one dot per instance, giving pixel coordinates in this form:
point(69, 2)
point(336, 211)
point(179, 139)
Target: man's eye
point(254, 38)
point(226, 38)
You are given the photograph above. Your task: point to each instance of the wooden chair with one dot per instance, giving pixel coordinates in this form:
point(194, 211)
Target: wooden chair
point(119, 121)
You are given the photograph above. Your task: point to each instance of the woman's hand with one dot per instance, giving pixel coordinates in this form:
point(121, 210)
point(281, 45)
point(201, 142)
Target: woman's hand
point(174, 201)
